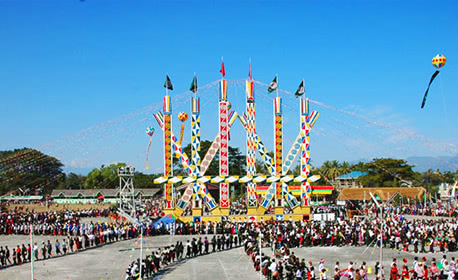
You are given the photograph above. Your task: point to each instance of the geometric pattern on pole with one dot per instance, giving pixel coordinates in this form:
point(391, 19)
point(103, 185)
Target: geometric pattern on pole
point(195, 148)
point(224, 152)
point(168, 160)
point(251, 151)
point(278, 144)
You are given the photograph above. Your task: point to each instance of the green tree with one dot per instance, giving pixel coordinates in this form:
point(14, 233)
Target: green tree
point(358, 166)
point(330, 169)
point(345, 168)
point(28, 171)
point(74, 181)
point(145, 181)
point(450, 177)
point(386, 172)
point(103, 178)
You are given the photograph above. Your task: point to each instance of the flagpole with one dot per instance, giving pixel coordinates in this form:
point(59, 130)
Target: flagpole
point(249, 63)
point(31, 251)
point(141, 251)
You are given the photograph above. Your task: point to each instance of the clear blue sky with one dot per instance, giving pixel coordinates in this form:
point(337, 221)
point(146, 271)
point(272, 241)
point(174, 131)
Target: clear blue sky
point(67, 66)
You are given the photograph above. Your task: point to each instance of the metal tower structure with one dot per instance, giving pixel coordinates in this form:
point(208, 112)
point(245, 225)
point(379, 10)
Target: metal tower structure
point(127, 192)
point(128, 205)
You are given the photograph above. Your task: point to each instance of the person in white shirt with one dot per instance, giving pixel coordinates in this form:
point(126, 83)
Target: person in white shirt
point(273, 270)
point(321, 266)
point(444, 259)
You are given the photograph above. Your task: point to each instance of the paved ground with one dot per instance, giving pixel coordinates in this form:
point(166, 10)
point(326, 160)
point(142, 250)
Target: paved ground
point(111, 261)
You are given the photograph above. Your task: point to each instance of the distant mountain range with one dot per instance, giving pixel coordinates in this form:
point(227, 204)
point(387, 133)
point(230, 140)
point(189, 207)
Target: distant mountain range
point(443, 163)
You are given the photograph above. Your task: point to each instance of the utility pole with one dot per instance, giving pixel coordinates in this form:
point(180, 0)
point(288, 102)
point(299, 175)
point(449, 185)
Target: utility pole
point(141, 251)
point(31, 252)
point(379, 206)
point(260, 255)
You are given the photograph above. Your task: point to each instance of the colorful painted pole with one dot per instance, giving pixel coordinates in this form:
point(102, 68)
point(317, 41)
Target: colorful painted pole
point(251, 143)
point(224, 145)
point(195, 136)
point(278, 142)
point(195, 147)
point(305, 151)
point(208, 158)
point(168, 156)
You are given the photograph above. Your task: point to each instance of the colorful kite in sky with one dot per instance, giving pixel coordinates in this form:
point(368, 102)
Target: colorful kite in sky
point(438, 61)
point(150, 132)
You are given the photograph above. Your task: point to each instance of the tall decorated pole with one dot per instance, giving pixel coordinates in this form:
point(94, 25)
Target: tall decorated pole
point(195, 144)
point(306, 189)
point(278, 142)
point(168, 155)
point(251, 144)
point(224, 202)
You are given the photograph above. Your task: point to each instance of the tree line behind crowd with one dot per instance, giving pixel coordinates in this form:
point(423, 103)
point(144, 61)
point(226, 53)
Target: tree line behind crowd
point(31, 172)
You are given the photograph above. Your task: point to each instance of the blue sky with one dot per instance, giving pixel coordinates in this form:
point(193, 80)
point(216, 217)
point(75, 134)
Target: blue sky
point(72, 72)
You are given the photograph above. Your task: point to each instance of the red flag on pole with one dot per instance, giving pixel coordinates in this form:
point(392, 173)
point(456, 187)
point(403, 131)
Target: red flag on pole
point(223, 73)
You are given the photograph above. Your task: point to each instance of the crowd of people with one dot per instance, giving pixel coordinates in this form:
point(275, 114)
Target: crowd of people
point(418, 236)
point(46, 223)
point(424, 210)
point(94, 235)
point(285, 265)
point(160, 258)
point(72, 234)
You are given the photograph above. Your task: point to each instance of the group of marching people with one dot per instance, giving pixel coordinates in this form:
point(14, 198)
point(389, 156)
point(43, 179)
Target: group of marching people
point(24, 254)
point(162, 257)
point(285, 265)
point(87, 236)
